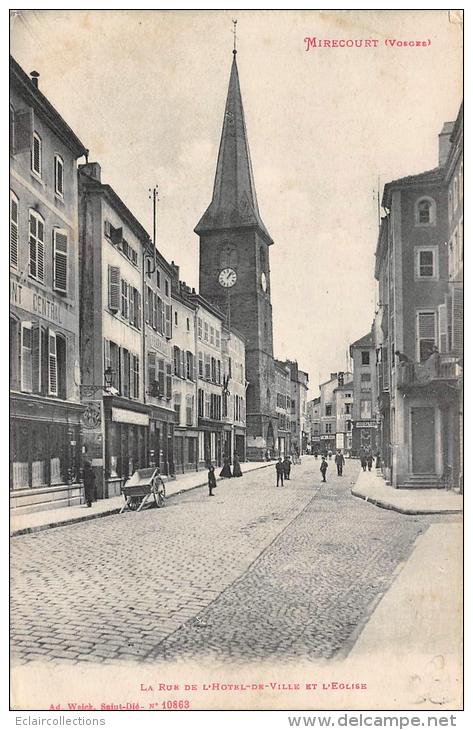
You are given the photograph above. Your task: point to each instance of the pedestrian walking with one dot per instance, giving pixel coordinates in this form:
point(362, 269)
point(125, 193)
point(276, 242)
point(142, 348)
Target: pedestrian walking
point(363, 460)
point(236, 466)
point(279, 472)
point(340, 462)
point(88, 476)
point(369, 461)
point(226, 471)
point(211, 480)
point(287, 467)
point(330, 454)
point(378, 460)
point(323, 468)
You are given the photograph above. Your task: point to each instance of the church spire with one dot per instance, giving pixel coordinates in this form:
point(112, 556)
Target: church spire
point(234, 203)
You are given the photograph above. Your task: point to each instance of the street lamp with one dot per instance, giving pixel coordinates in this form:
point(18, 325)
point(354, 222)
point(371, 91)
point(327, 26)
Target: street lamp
point(108, 378)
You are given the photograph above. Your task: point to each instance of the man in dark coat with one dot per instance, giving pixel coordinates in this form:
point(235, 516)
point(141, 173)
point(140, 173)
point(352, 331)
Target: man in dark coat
point(287, 467)
point(340, 462)
point(211, 480)
point(88, 476)
point(279, 472)
point(236, 466)
point(363, 460)
point(323, 468)
point(369, 461)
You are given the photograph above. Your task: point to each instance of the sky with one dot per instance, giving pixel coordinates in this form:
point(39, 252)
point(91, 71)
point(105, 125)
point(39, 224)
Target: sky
point(145, 92)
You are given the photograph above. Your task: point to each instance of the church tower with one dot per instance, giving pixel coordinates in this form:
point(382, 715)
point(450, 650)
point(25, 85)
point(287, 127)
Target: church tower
point(234, 268)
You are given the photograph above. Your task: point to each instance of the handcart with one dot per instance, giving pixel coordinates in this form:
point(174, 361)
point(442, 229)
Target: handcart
point(142, 486)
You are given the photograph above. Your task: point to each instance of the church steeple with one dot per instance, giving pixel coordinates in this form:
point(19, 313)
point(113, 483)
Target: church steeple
point(234, 203)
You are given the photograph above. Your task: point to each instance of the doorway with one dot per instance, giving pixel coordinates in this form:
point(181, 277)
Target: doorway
point(423, 440)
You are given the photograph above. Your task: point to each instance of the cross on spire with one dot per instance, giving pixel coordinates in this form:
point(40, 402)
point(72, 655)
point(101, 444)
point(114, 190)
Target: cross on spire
point(234, 36)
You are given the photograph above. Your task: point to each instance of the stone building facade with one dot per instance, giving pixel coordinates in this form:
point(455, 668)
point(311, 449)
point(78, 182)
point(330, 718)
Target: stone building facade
point(45, 415)
point(365, 395)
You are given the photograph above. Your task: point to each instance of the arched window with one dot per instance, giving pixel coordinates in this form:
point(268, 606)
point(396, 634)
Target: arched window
point(425, 212)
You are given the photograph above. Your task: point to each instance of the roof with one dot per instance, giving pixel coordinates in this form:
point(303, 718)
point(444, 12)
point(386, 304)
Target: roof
point(365, 341)
point(422, 178)
point(234, 203)
point(33, 96)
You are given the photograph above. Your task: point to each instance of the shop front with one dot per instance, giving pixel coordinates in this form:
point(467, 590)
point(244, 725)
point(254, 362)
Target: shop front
point(126, 442)
point(185, 449)
point(210, 442)
point(45, 448)
point(365, 437)
point(239, 446)
point(327, 443)
point(161, 440)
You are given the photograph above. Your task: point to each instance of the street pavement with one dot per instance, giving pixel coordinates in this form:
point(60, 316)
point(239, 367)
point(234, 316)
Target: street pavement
point(255, 572)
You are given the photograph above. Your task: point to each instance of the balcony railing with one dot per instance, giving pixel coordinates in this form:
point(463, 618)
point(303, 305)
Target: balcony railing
point(432, 370)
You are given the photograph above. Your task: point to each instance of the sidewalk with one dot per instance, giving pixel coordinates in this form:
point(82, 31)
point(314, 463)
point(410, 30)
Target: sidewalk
point(372, 487)
point(414, 634)
point(35, 521)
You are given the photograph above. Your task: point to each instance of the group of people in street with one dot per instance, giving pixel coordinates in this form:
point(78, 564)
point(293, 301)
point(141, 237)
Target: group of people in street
point(339, 463)
point(226, 472)
point(283, 470)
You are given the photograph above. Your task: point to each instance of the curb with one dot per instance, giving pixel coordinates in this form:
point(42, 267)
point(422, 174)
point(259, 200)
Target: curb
point(404, 510)
point(113, 510)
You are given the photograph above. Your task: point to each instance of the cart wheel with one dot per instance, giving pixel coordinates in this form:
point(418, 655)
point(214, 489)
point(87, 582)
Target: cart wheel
point(134, 503)
point(160, 499)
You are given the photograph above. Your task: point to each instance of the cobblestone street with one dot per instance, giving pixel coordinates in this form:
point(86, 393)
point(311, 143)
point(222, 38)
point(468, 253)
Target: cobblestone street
point(256, 572)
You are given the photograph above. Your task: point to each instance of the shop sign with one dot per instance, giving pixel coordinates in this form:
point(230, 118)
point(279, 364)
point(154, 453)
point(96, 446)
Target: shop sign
point(122, 415)
point(39, 304)
point(366, 424)
point(157, 343)
point(327, 437)
point(91, 417)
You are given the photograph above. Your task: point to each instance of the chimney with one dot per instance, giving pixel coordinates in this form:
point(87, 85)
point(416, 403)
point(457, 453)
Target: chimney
point(93, 170)
point(444, 142)
point(175, 271)
point(34, 76)
point(333, 376)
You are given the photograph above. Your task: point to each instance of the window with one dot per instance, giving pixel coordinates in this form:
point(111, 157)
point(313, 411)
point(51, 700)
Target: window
point(201, 365)
point(217, 338)
point(60, 260)
point(13, 230)
point(158, 278)
point(166, 287)
point(200, 403)
point(365, 377)
point(114, 288)
point(347, 408)
point(426, 334)
point(36, 240)
point(36, 154)
point(189, 365)
point(365, 357)
point(188, 324)
point(426, 263)
point(206, 331)
point(212, 336)
point(189, 410)
point(425, 212)
point(207, 366)
point(52, 364)
point(135, 376)
point(168, 321)
point(136, 321)
point(328, 409)
point(58, 175)
point(168, 377)
point(199, 328)
point(26, 373)
point(175, 319)
point(14, 353)
point(125, 373)
point(328, 427)
point(177, 361)
point(365, 409)
point(124, 302)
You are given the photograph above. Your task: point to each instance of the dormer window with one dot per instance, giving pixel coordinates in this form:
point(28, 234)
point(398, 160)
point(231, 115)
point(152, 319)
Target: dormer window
point(425, 212)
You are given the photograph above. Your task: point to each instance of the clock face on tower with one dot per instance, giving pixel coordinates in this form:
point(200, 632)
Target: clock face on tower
point(227, 278)
point(264, 283)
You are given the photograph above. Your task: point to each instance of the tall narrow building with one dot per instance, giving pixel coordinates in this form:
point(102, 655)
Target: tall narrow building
point(234, 268)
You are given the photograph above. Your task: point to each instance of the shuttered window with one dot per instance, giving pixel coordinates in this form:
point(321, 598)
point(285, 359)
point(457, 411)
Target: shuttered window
point(13, 230)
point(60, 260)
point(443, 333)
point(177, 361)
point(37, 343)
point(161, 378)
point(52, 363)
point(154, 322)
point(135, 376)
point(26, 357)
point(168, 381)
point(426, 334)
point(124, 307)
point(36, 154)
point(152, 373)
point(36, 242)
point(125, 375)
point(457, 319)
point(207, 366)
point(106, 354)
point(168, 321)
point(58, 175)
point(114, 288)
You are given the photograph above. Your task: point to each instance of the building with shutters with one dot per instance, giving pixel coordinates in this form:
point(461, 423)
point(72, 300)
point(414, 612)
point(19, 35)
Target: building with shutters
point(418, 365)
point(343, 404)
point(283, 407)
point(184, 377)
point(328, 410)
point(297, 416)
point(233, 393)
point(45, 406)
point(313, 417)
point(365, 396)
point(112, 344)
point(158, 360)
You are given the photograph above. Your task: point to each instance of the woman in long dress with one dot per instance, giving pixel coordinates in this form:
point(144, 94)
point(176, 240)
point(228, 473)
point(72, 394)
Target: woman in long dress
point(226, 471)
point(236, 466)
